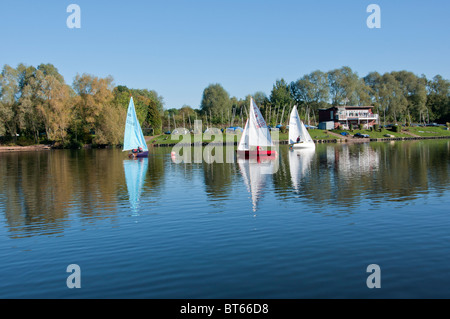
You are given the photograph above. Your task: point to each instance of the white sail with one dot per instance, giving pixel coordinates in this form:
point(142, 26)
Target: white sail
point(305, 137)
point(294, 126)
point(298, 130)
point(243, 143)
point(259, 134)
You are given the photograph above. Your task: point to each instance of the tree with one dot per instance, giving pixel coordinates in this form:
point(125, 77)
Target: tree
point(30, 121)
point(9, 89)
point(94, 95)
point(154, 118)
point(280, 94)
point(438, 100)
point(280, 98)
point(347, 88)
point(391, 96)
point(261, 99)
point(311, 91)
point(215, 103)
point(55, 107)
point(413, 90)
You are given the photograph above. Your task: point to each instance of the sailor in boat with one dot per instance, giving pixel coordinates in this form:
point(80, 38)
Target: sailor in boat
point(298, 139)
point(136, 151)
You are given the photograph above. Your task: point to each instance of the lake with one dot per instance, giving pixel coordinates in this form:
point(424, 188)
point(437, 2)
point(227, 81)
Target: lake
point(306, 225)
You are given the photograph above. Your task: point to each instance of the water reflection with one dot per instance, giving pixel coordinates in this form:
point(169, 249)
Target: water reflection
point(42, 193)
point(354, 159)
point(256, 172)
point(299, 164)
point(135, 171)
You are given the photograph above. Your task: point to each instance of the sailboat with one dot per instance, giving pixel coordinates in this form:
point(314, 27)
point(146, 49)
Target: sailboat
point(134, 140)
point(256, 135)
point(298, 134)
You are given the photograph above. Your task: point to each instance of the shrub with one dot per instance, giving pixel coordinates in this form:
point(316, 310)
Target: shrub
point(283, 129)
point(376, 127)
point(396, 128)
point(351, 127)
point(24, 141)
point(361, 126)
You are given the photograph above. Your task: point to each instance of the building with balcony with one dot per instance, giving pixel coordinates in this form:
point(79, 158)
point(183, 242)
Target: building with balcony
point(346, 115)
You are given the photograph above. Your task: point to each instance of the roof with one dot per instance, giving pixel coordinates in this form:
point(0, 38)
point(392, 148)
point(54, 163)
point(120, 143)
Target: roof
point(348, 107)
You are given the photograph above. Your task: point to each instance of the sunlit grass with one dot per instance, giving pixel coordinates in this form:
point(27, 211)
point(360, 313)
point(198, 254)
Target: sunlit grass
point(428, 131)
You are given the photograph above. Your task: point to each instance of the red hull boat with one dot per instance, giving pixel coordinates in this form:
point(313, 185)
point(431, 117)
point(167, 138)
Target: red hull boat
point(256, 153)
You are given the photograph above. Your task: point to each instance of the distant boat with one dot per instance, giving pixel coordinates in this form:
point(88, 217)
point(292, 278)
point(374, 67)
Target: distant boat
point(134, 140)
point(255, 136)
point(298, 134)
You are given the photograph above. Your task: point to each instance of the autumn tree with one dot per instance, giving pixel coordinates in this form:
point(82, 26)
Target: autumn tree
point(54, 106)
point(9, 89)
point(94, 95)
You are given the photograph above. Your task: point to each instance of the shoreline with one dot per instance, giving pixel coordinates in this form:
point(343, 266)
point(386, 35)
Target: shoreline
point(337, 141)
point(37, 148)
point(31, 148)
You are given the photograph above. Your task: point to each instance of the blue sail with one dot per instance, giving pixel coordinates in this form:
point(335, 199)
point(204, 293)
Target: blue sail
point(133, 133)
point(135, 172)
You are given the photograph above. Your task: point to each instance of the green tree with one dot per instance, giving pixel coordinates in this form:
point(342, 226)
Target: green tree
point(280, 99)
point(154, 118)
point(413, 90)
point(346, 88)
point(438, 99)
point(216, 103)
point(311, 91)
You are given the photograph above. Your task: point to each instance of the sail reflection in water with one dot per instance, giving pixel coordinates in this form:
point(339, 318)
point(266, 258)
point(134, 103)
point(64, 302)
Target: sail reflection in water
point(135, 171)
point(299, 164)
point(256, 172)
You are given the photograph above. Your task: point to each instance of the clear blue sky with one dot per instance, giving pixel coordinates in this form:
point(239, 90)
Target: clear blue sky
point(179, 47)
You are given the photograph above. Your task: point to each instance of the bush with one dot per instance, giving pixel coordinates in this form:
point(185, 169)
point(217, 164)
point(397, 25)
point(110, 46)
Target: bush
point(361, 126)
point(283, 129)
point(72, 144)
point(351, 127)
point(396, 128)
point(376, 127)
point(24, 141)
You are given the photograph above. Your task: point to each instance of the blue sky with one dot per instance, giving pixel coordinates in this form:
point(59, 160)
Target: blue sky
point(179, 47)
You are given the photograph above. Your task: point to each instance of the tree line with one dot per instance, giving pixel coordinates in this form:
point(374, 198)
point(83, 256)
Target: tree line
point(36, 105)
point(398, 97)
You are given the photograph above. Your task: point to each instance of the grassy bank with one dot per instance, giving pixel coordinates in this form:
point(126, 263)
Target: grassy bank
point(429, 131)
point(317, 134)
point(374, 134)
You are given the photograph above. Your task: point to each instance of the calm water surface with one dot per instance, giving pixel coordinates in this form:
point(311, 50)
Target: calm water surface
point(304, 226)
